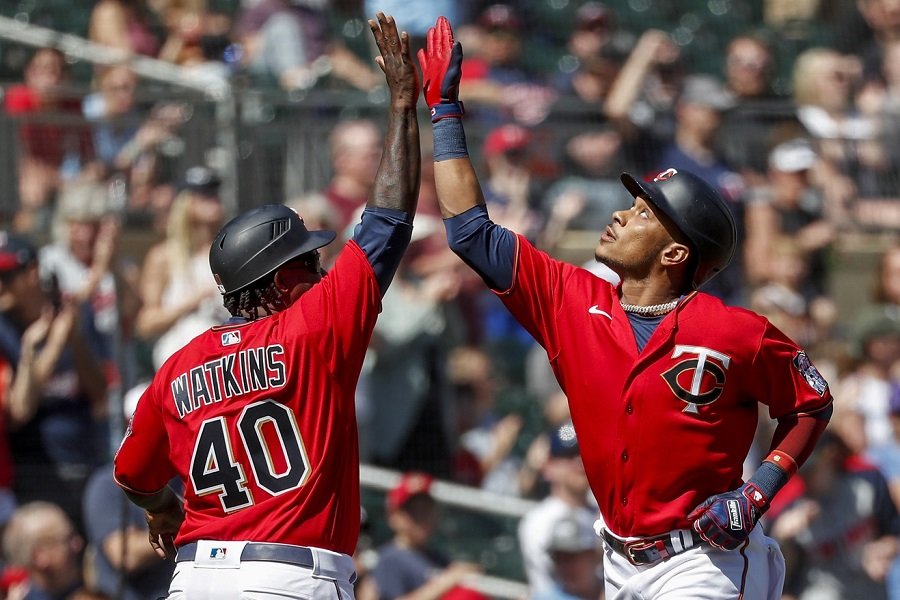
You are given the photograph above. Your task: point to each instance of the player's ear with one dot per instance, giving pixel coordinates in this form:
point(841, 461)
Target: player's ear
point(675, 254)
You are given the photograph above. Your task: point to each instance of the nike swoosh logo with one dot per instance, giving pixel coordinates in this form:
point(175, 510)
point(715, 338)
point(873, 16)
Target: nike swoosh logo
point(595, 310)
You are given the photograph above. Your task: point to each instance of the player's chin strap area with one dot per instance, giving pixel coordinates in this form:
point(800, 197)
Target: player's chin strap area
point(649, 550)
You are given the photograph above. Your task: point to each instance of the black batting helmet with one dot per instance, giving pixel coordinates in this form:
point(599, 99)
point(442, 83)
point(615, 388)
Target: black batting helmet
point(259, 241)
point(699, 212)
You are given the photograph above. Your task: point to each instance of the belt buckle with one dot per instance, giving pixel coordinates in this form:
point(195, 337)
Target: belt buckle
point(655, 547)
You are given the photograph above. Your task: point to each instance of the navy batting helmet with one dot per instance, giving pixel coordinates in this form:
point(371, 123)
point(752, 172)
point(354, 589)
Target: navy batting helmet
point(699, 212)
point(258, 242)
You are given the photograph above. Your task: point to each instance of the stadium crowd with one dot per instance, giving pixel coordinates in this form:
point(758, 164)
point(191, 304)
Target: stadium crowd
point(803, 147)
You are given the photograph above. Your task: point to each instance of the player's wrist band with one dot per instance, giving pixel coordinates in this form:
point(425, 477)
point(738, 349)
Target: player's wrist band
point(768, 479)
point(783, 461)
point(449, 139)
point(443, 110)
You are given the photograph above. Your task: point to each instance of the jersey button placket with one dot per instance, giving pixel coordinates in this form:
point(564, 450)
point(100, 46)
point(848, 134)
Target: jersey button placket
point(629, 408)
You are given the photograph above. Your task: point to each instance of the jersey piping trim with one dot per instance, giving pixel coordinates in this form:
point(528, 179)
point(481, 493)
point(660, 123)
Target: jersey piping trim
point(131, 490)
point(515, 270)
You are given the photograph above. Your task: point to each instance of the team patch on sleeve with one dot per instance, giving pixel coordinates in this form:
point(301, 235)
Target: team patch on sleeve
point(810, 373)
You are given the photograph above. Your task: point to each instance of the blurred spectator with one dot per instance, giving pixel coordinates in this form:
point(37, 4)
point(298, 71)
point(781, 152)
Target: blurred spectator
point(495, 81)
point(127, 141)
point(408, 564)
point(50, 153)
point(407, 421)
point(318, 213)
point(839, 532)
point(641, 102)
point(510, 187)
point(861, 396)
point(84, 259)
point(805, 319)
point(883, 19)
point(789, 205)
point(41, 539)
point(486, 435)
point(56, 400)
point(887, 278)
point(699, 109)
point(120, 562)
point(180, 297)
point(749, 127)
point(577, 562)
point(288, 43)
point(568, 496)
point(124, 24)
point(853, 159)
point(355, 151)
point(886, 455)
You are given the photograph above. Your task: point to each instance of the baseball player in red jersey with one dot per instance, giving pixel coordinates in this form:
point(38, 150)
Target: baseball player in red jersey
point(256, 416)
point(663, 380)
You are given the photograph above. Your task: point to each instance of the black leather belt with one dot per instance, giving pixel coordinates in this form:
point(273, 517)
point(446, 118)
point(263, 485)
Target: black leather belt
point(293, 555)
point(646, 551)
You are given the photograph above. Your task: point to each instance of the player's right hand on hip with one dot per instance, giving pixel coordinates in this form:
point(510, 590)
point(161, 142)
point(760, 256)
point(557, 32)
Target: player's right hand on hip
point(726, 520)
point(441, 63)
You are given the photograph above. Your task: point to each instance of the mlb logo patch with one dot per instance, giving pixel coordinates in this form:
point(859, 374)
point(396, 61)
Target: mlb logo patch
point(218, 553)
point(230, 338)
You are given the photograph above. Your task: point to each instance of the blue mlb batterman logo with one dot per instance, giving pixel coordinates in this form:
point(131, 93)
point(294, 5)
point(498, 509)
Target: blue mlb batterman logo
point(230, 338)
point(810, 373)
point(218, 553)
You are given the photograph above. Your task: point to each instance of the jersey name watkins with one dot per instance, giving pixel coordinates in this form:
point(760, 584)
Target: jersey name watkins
point(242, 372)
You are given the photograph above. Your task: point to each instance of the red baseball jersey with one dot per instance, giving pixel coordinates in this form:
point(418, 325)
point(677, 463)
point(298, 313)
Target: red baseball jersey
point(258, 420)
point(663, 429)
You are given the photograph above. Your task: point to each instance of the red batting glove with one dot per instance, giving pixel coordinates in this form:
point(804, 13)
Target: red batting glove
point(441, 63)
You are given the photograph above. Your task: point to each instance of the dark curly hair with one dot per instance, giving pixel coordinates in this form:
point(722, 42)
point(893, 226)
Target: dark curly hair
point(261, 299)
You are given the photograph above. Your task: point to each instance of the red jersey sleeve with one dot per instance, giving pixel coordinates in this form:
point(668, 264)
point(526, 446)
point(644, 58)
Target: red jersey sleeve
point(534, 298)
point(142, 461)
point(788, 382)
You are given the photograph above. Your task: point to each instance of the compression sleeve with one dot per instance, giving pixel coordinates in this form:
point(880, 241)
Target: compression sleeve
point(488, 248)
point(383, 234)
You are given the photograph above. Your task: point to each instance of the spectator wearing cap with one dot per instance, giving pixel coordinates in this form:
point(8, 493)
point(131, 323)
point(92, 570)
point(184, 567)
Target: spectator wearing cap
point(179, 296)
point(408, 564)
point(495, 82)
point(577, 561)
point(568, 495)
point(789, 204)
point(83, 258)
point(862, 414)
point(55, 393)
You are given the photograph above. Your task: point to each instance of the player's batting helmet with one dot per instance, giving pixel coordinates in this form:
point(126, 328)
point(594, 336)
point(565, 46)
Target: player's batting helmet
point(257, 242)
point(699, 211)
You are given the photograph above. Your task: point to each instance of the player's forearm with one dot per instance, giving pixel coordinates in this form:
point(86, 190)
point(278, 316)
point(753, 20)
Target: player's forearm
point(397, 182)
point(456, 182)
point(160, 501)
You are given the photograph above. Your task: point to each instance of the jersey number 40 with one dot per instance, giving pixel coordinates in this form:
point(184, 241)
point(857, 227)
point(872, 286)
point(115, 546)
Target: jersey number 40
point(214, 469)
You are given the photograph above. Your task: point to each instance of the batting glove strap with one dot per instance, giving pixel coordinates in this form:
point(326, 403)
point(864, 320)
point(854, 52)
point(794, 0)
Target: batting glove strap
point(444, 110)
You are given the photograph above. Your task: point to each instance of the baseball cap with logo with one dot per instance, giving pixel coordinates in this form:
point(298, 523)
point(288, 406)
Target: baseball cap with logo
point(563, 442)
point(16, 252)
point(410, 485)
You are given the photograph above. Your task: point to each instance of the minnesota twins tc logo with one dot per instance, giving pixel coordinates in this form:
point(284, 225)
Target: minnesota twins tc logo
point(699, 379)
